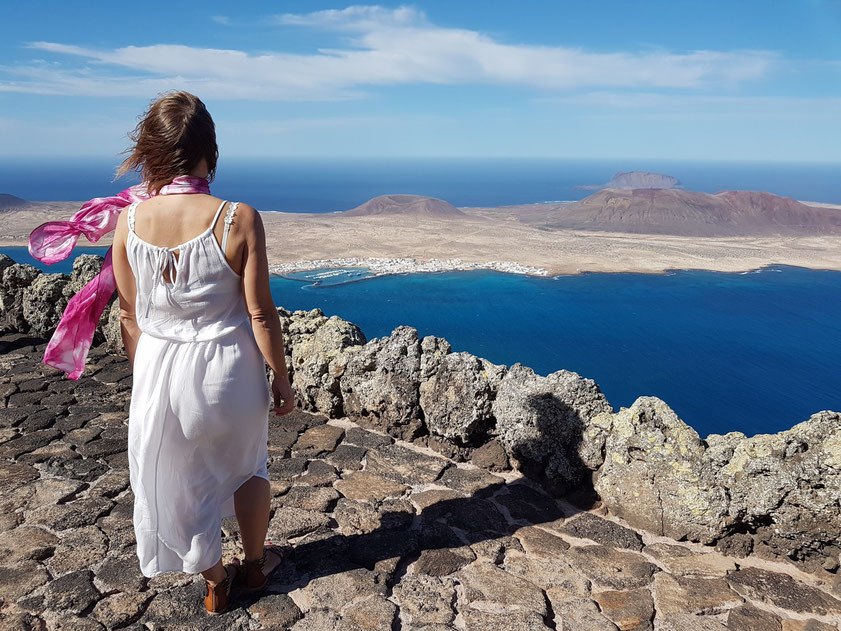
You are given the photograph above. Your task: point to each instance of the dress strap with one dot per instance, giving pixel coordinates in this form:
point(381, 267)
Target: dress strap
point(131, 210)
point(218, 211)
point(229, 217)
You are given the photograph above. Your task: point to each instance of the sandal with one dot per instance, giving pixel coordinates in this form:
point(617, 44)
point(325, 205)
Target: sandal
point(252, 578)
point(217, 597)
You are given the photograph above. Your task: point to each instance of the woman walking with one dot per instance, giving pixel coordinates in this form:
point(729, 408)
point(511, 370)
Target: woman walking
point(198, 323)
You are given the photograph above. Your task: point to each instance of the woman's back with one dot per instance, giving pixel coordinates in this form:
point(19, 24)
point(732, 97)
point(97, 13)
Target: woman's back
point(187, 287)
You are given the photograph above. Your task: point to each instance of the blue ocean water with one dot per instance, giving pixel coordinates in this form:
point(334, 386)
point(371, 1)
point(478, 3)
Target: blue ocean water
point(311, 185)
point(754, 352)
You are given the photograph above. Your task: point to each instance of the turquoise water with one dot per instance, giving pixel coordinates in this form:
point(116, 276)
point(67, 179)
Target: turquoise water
point(755, 352)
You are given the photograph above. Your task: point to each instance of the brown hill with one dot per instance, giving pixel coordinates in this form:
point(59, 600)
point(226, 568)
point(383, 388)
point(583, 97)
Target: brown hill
point(406, 205)
point(678, 212)
point(10, 202)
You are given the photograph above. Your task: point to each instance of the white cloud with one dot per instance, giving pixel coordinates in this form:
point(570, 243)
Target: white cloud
point(221, 19)
point(384, 47)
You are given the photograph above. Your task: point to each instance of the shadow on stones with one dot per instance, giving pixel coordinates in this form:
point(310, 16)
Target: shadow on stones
point(446, 534)
point(19, 342)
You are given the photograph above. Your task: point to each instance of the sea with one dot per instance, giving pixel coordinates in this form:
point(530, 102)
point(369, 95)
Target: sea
point(753, 352)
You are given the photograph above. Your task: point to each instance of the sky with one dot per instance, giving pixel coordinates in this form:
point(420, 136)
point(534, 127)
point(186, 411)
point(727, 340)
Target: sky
point(705, 80)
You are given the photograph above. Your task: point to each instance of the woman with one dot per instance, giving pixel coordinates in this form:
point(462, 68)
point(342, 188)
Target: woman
point(198, 321)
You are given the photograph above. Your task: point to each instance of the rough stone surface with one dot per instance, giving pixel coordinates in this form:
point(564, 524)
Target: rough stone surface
point(379, 382)
point(316, 386)
point(748, 618)
point(457, 398)
point(541, 422)
point(656, 477)
point(781, 590)
point(631, 610)
point(607, 533)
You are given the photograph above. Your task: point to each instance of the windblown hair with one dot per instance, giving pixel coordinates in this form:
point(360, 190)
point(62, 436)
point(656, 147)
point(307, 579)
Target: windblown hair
point(172, 137)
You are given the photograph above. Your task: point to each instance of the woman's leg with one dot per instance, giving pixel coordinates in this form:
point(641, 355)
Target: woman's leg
point(215, 574)
point(252, 504)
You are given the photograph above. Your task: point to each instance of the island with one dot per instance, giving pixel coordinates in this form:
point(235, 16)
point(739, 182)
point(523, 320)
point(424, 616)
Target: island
point(641, 230)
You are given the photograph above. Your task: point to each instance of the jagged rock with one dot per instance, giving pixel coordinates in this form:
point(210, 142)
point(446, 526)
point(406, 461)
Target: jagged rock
point(656, 476)
point(785, 488)
point(16, 279)
point(379, 383)
point(111, 331)
point(43, 303)
point(457, 398)
point(541, 422)
point(316, 385)
point(6, 261)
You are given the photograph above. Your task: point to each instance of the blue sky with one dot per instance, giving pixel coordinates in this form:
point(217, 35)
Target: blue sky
point(709, 80)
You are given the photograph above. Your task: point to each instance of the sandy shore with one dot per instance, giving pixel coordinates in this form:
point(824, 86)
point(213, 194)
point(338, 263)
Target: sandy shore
point(486, 238)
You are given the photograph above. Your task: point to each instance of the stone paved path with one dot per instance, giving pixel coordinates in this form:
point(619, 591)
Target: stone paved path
point(381, 535)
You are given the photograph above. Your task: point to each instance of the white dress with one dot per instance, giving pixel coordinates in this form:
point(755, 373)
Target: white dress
point(198, 418)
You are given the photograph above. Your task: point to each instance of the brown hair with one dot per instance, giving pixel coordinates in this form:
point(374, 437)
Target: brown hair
point(172, 137)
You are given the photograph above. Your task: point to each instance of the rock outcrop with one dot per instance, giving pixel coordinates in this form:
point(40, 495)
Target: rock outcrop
point(380, 534)
point(776, 496)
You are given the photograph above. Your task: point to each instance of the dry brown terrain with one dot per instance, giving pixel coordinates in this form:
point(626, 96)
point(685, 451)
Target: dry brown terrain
point(491, 235)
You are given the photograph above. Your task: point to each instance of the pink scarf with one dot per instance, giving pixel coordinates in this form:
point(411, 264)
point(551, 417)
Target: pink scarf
point(53, 241)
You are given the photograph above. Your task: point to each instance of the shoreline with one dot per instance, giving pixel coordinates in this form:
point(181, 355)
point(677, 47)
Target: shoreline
point(388, 266)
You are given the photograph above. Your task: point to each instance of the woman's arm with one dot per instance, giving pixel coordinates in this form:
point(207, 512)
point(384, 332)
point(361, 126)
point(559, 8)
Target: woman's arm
point(126, 288)
point(265, 322)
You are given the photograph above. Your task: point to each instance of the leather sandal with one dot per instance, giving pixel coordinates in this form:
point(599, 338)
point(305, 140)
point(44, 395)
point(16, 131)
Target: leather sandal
point(218, 596)
point(252, 577)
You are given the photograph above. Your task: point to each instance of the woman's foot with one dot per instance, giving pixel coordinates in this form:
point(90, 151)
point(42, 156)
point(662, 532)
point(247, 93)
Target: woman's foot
point(256, 572)
point(218, 594)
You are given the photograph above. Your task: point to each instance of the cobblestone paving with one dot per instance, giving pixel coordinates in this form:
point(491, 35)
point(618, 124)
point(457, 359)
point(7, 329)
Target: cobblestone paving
point(380, 534)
